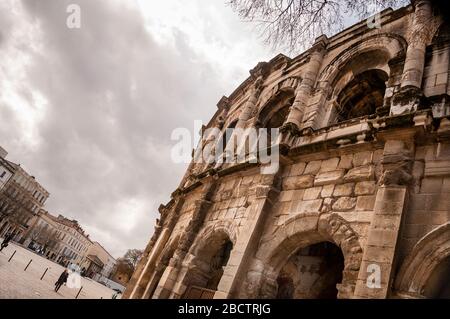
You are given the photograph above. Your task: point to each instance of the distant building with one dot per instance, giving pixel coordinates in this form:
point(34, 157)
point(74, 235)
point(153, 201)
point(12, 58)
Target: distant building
point(21, 198)
point(3, 152)
point(98, 260)
point(121, 277)
point(6, 172)
point(57, 238)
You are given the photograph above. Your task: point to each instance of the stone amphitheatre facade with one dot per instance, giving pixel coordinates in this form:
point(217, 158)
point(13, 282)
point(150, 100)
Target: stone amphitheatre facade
point(360, 205)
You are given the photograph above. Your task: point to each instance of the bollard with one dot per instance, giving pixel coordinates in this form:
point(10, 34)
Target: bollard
point(28, 265)
point(12, 256)
point(76, 297)
point(44, 273)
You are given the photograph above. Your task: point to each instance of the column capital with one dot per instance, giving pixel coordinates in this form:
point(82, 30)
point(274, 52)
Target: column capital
point(320, 43)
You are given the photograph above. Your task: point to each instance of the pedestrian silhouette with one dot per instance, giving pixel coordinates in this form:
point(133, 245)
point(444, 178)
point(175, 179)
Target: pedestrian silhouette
point(61, 280)
point(6, 241)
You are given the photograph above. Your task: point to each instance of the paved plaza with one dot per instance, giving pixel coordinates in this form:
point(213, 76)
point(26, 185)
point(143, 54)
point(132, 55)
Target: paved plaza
point(17, 283)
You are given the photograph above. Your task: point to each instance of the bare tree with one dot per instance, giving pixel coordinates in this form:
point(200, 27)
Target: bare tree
point(296, 23)
point(132, 257)
point(124, 267)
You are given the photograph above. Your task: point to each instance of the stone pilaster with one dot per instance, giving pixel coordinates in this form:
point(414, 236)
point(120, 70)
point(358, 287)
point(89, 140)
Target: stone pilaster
point(378, 263)
point(171, 274)
point(305, 88)
point(258, 75)
point(247, 242)
point(407, 99)
point(138, 289)
point(415, 55)
point(145, 269)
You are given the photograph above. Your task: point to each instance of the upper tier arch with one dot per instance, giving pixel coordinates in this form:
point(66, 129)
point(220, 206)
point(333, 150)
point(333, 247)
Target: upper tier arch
point(392, 44)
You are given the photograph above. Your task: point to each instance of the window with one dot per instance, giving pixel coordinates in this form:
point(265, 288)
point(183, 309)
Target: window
point(362, 96)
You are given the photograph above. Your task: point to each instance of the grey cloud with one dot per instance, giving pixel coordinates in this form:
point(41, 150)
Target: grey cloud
point(114, 96)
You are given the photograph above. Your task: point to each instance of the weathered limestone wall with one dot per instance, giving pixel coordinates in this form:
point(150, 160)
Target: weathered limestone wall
point(430, 202)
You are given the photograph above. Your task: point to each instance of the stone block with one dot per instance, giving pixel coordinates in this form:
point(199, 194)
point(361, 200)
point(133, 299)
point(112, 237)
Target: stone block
point(417, 202)
point(344, 204)
point(346, 161)
point(387, 222)
point(240, 212)
point(413, 231)
point(385, 269)
point(379, 255)
point(440, 218)
point(312, 193)
point(286, 195)
point(344, 189)
point(295, 182)
point(309, 206)
point(388, 208)
point(365, 188)
point(437, 202)
point(382, 238)
point(377, 156)
point(285, 208)
point(362, 158)
point(437, 168)
point(327, 191)
point(392, 194)
point(313, 167)
point(329, 164)
point(298, 194)
point(297, 169)
point(231, 213)
point(395, 147)
point(417, 217)
point(332, 177)
point(365, 203)
point(364, 292)
point(431, 185)
point(359, 174)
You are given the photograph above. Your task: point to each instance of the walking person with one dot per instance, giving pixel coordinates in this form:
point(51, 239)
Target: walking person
point(61, 280)
point(6, 241)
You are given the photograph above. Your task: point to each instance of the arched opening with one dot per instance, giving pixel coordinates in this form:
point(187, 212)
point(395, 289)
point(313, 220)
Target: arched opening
point(382, 51)
point(362, 96)
point(227, 134)
point(274, 114)
point(438, 285)
point(208, 267)
point(328, 238)
point(425, 272)
point(278, 118)
point(313, 272)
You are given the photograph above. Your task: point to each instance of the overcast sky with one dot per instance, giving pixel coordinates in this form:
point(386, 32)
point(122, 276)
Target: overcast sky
point(90, 111)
